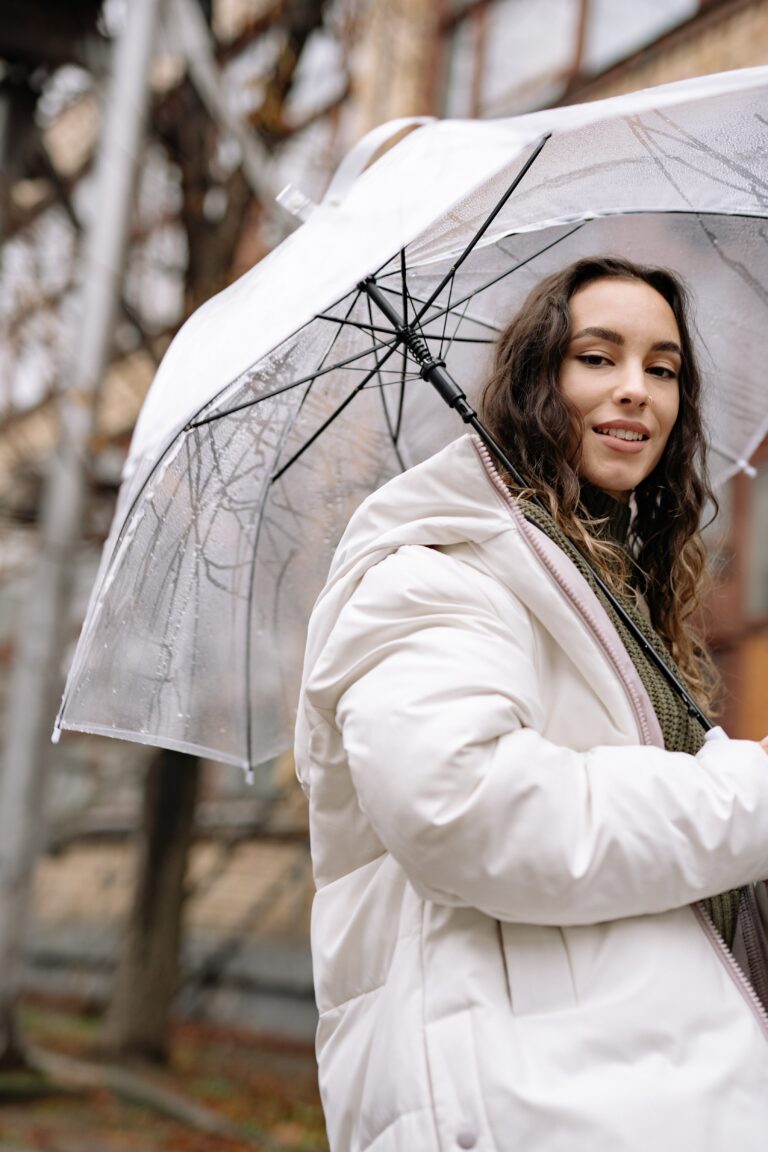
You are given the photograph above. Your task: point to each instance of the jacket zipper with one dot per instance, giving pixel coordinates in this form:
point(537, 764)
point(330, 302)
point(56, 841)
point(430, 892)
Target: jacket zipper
point(733, 968)
point(750, 940)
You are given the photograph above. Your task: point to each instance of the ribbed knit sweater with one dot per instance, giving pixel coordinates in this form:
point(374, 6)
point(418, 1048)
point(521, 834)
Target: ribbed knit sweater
point(681, 732)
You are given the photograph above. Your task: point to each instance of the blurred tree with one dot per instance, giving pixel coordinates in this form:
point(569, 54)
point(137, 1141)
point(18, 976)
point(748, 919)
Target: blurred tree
point(41, 631)
point(36, 37)
point(149, 965)
point(227, 107)
point(218, 209)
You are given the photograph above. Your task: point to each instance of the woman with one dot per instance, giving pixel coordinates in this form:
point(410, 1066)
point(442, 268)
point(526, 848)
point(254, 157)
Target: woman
point(525, 852)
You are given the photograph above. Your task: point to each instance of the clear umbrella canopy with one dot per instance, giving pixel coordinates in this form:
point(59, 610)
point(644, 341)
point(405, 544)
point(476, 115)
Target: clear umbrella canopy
point(289, 398)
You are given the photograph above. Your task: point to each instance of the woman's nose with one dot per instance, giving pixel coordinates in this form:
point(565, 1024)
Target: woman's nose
point(632, 386)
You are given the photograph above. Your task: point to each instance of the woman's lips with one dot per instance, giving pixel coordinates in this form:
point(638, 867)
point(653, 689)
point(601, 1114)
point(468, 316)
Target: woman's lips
point(631, 446)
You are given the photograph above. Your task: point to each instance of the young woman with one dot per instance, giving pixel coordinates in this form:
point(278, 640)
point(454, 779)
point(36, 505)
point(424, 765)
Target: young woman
point(527, 856)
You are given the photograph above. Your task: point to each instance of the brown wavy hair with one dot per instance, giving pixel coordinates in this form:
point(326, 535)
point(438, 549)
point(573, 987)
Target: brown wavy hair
point(525, 410)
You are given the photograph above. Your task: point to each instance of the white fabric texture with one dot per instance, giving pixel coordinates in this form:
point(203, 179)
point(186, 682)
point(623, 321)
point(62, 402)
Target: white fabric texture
point(505, 955)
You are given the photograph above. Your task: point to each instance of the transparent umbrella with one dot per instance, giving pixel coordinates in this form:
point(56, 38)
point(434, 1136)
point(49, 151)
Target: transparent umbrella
point(289, 397)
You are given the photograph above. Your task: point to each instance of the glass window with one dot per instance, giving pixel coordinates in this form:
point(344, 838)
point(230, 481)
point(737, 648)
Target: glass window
point(504, 57)
point(462, 55)
point(529, 53)
point(616, 28)
point(508, 56)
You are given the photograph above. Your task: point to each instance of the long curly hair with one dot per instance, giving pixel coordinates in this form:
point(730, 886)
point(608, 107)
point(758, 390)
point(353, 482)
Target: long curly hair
point(525, 410)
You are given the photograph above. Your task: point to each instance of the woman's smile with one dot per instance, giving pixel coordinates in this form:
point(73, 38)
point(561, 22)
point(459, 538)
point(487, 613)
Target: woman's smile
point(623, 435)
point(620, 373)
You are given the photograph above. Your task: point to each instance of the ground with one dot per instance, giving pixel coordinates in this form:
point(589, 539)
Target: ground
point(222, 1092)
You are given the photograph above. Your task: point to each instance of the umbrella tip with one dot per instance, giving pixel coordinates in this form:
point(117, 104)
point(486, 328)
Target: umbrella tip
point(747, 469)
point(250, 775)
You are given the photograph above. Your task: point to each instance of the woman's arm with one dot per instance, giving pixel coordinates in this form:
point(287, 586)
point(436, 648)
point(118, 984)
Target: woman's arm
point(439, 693)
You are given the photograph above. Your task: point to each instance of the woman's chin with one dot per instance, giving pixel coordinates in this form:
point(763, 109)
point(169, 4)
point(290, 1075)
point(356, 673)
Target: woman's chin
point(618, 483)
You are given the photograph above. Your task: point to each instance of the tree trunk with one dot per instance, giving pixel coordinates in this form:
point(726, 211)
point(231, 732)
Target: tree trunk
point(149, 967)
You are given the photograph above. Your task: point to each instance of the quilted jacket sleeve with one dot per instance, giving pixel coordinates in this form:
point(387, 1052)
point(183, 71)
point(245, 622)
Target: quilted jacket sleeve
point(439, 694)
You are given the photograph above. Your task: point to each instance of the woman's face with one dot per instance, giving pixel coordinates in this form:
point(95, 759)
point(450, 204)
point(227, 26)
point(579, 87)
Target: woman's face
point(621, 372)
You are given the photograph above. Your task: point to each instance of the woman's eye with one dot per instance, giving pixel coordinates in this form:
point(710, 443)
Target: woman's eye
point(663, 371)
point(595, 359)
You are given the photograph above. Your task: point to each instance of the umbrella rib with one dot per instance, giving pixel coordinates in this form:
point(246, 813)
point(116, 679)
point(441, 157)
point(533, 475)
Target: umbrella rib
point(404, 350)
point(324, 358)
point(389, 344)
point(486, 223)
point(360, 325)
point(401, 397)
point(445, 348)
point(294, 383)
point(393, 433)
point(336, 412)
point(461, 339)
point(345, 320)
point(446, 313)
point(320, 371)
point(495, 280)
point(436, 315)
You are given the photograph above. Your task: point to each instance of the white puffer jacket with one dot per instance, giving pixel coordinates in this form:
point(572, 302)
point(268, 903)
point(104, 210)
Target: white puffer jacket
point(506, 957)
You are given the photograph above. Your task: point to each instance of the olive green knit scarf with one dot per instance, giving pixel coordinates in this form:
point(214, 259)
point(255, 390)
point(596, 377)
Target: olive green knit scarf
point(681, 732)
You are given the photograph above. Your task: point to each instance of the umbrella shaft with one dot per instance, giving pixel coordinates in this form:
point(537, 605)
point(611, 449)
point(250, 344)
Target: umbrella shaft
point(429, 368)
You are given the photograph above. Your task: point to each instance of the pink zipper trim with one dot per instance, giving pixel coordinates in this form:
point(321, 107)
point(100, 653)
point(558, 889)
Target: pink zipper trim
point(607, 640)
point(732, 967)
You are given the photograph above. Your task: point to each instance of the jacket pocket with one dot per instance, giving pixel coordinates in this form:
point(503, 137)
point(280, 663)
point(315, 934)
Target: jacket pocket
point(538, 968)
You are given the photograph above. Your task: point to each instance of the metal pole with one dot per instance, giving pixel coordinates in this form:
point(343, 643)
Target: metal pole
point(41, 635)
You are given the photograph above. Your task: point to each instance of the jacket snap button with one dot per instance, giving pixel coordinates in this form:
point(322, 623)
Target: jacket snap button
point(466, 1138)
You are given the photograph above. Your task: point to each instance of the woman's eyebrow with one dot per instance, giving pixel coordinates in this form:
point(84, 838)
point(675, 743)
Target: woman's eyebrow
point(601, 334)
point(614, 337)
point(668, 346)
